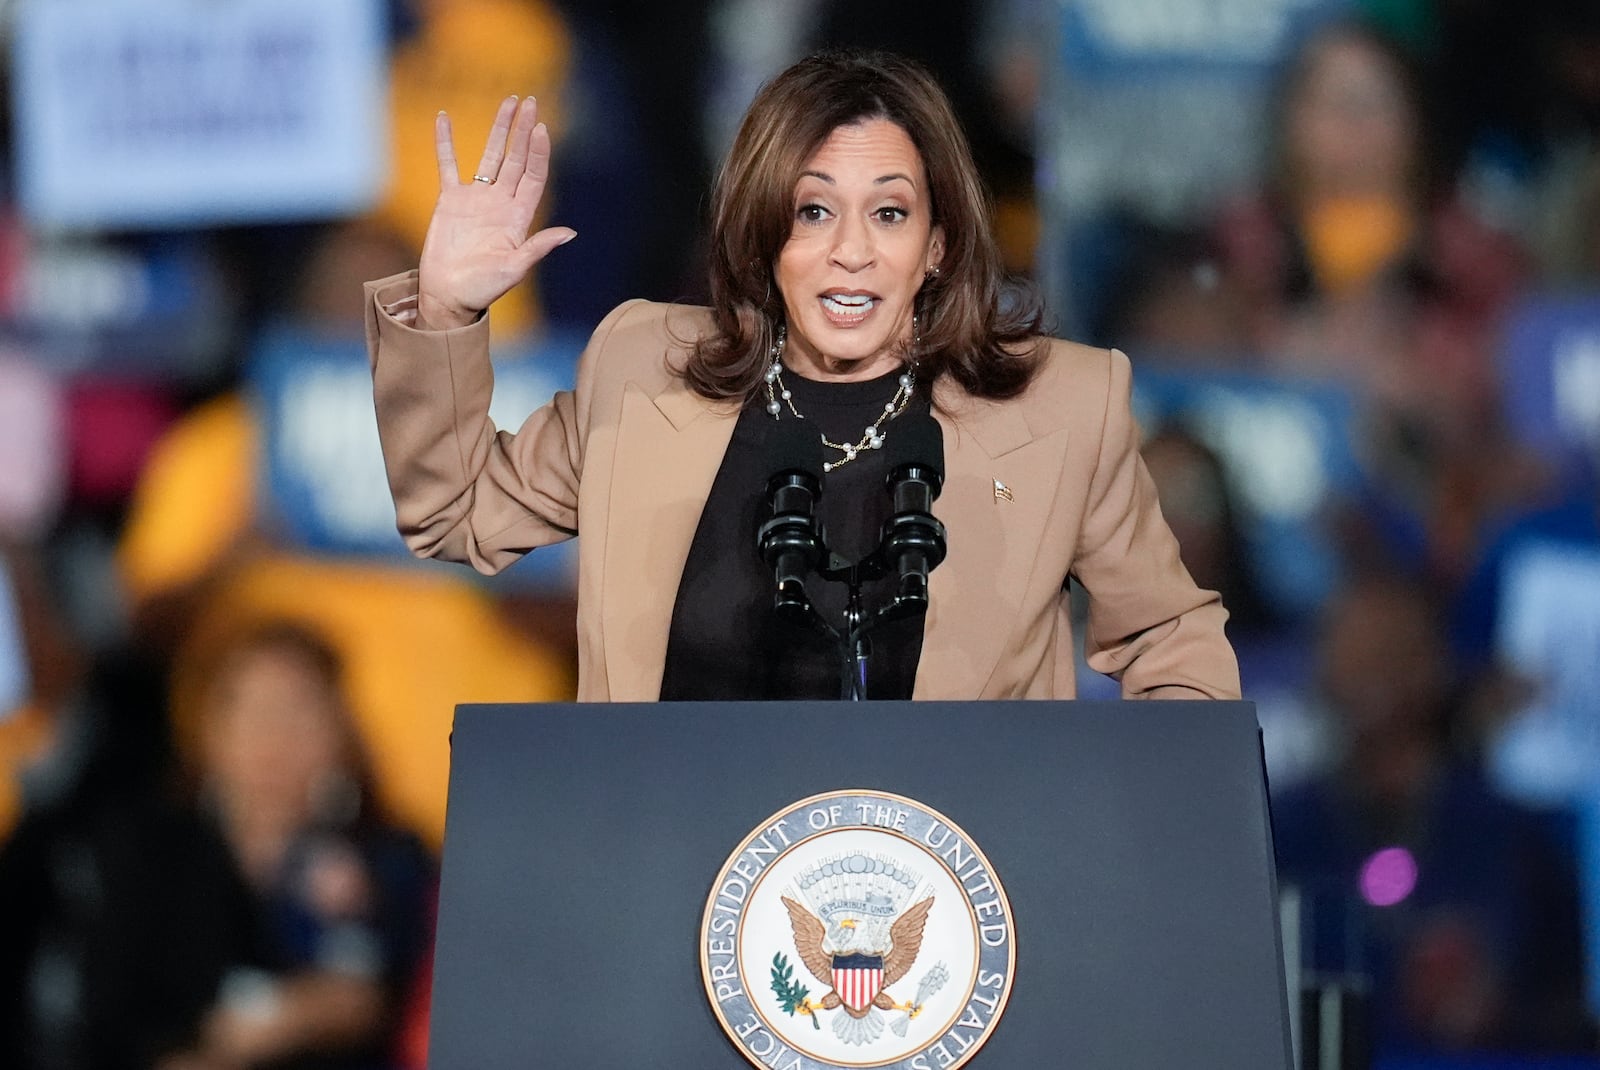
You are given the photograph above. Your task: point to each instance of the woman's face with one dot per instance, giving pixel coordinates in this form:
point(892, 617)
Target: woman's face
point(1351, 130)
point(861, 244)
point(272, 731)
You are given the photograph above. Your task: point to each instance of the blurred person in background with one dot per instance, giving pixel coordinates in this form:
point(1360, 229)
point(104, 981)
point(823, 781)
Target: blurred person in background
point(1359, 263)
point(1528, 617)
point(1459, 907)
point(1528, 622)
point(200, 555)
point(123, 908)
point(1200, 501)
point(1200, 506)
point(341, 892)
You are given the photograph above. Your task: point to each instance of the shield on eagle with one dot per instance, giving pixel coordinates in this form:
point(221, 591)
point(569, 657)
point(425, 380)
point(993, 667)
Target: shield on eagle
point(857, 979)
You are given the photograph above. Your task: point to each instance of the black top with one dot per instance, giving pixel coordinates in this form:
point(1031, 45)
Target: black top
point(725, 641)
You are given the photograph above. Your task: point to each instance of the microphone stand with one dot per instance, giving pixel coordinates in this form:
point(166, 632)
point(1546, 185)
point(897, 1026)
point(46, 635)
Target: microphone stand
point(855, 644)
point(855, 641)
point(858, 648)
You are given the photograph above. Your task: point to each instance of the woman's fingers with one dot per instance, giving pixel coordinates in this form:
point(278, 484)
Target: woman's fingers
point(494, 151)
point(538, 246)
point(444, 148)
point(527, 117)
point(517, 141)
point(535, 169)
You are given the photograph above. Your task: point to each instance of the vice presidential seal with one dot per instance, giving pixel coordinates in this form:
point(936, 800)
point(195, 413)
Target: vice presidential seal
point(858, 929)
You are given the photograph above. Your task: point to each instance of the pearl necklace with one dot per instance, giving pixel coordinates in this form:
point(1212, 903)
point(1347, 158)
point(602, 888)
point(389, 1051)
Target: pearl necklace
point(874, 436)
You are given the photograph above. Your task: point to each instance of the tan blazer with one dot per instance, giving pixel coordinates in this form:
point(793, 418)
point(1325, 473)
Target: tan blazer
point(1036, 488)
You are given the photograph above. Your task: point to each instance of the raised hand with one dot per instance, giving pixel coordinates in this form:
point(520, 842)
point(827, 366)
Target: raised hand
point(478, 245)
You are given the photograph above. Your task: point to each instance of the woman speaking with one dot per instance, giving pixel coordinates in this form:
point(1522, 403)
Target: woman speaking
point(857, 299)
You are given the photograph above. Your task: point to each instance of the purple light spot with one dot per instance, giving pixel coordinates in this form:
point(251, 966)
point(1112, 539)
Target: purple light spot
point(1388, 877)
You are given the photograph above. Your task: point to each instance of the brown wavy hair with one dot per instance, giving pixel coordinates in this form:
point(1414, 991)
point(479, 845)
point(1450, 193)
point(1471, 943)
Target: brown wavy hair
point(977, 327)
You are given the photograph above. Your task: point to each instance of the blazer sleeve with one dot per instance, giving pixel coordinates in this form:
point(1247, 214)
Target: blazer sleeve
point(463, 490)
point(1150, 627)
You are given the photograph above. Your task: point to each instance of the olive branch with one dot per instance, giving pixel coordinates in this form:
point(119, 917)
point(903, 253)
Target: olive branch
point(791, 993)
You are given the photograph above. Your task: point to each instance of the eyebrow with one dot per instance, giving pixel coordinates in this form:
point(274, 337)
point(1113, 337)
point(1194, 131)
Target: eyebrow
point(876, 182)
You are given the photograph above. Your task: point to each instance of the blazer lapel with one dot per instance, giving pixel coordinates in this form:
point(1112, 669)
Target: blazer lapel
point(995, 510)
point(668, 450)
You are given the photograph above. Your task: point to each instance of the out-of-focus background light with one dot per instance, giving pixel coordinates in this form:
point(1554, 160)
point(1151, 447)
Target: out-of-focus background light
point(1388, 877)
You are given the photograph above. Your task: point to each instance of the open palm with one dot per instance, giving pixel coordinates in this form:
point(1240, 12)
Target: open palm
point(478, 245)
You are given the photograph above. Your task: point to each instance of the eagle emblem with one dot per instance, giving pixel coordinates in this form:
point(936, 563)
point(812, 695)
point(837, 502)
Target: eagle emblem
point(857, 938)
point(882, 934)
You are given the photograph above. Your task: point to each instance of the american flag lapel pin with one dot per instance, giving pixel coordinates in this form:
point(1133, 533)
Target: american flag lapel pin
point(1002, 492)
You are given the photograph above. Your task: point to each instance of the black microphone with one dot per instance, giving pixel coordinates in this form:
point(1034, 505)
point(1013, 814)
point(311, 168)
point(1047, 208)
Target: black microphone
point(913, 540)
point(790, 541)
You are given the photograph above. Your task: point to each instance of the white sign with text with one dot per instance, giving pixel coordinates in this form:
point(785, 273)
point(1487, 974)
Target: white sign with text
point(177, 112)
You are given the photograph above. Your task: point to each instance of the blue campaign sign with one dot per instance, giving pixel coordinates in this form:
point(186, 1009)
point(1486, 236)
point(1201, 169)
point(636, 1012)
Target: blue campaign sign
point(323, 476)
point(1548, 633)
point(151, 306)
point(1108, 40)
point(1287, 448)
point(1550, 367)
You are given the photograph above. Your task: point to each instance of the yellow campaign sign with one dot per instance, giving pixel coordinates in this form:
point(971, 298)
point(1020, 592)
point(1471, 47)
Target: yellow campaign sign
point(468, 56)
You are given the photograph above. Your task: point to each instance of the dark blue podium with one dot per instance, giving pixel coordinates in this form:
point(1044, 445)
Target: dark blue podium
point(1133, 841)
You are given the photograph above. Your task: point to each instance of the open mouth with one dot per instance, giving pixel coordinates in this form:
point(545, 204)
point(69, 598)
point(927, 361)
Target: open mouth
point(848, 306)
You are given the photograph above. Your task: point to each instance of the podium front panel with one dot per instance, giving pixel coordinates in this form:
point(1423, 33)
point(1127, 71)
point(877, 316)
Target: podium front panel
point(1132, 838)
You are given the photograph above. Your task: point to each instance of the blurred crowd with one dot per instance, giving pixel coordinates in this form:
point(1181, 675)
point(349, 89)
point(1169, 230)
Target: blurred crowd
point(1368, 352)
